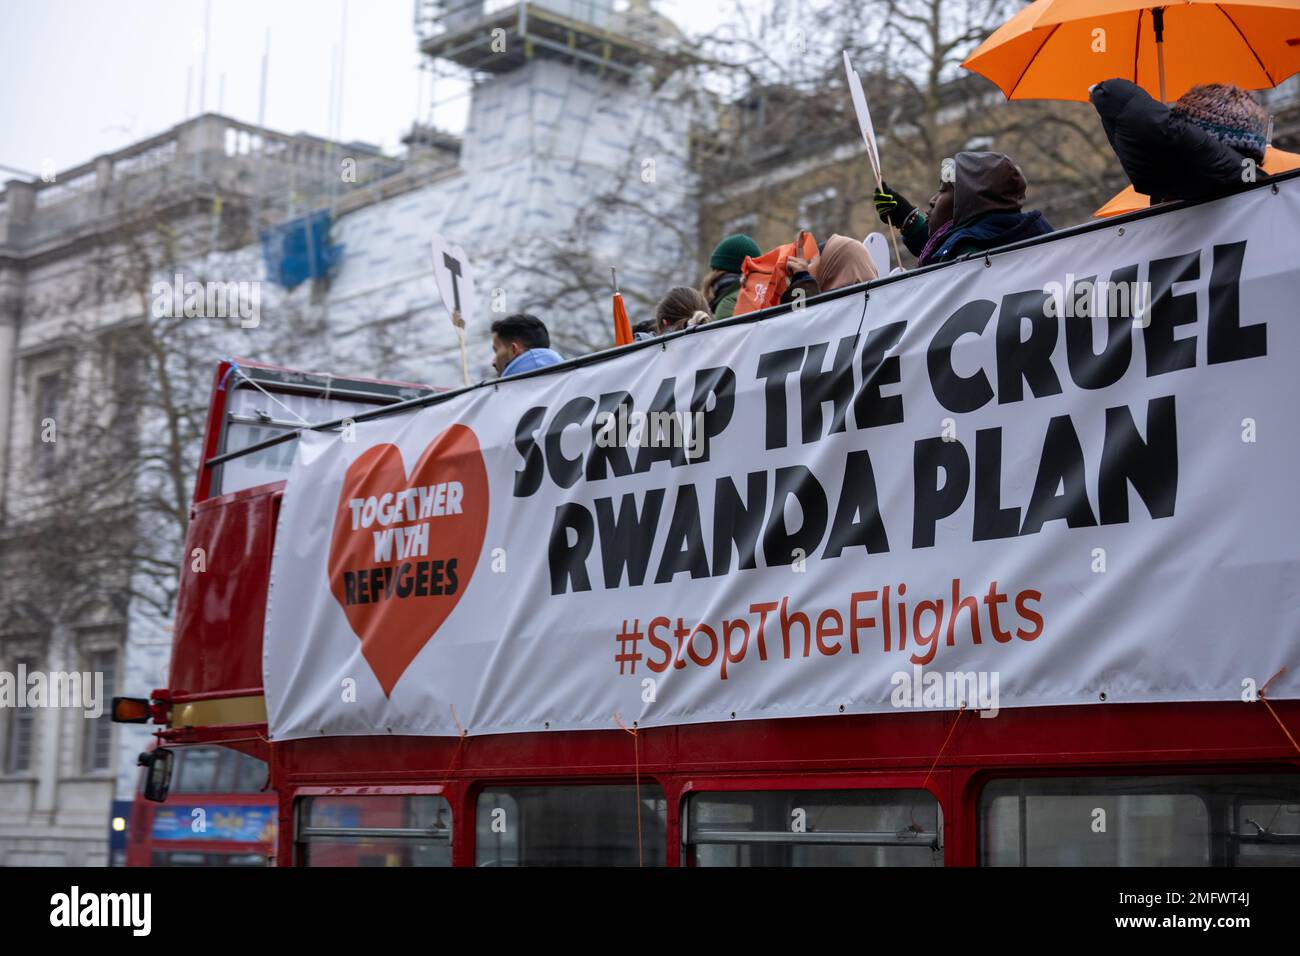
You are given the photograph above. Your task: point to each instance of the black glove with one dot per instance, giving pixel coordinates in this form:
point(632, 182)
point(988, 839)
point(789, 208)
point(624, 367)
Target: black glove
point(892, 206)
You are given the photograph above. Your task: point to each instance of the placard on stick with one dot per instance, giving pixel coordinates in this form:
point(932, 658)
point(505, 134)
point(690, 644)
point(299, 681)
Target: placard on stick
point(455, 280)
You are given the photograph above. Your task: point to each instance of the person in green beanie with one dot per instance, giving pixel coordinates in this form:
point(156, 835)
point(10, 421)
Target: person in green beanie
point(721, 287)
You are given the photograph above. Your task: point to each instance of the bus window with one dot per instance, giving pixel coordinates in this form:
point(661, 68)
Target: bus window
point(1189, 820)
point(571, 826)
point(199, 770)
point(374, 831)
point(813, 828)
point(217, 770)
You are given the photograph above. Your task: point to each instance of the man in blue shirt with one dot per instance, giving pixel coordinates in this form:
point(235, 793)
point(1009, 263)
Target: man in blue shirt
point(520, 343)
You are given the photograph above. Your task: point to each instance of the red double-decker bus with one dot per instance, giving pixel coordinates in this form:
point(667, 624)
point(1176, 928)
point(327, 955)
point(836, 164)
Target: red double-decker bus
point(1108, 784)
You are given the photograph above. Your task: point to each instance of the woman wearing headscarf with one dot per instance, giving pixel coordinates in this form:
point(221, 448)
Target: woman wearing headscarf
point(843, 262)
point(979, 210)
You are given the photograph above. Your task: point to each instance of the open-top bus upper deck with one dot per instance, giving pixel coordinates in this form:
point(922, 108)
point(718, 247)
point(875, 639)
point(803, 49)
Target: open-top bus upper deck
point(1080, 511)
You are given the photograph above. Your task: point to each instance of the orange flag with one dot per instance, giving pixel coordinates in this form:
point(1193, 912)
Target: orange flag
point(622, 327)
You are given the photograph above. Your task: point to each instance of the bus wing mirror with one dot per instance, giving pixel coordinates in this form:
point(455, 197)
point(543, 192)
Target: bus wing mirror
point(158, 774)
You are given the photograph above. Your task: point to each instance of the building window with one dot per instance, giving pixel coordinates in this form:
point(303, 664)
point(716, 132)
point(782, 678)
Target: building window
point(1219, 820)
point(571, 826)
point(813, 828)
point(97, 747)
point(381, 830)
point(22, 727)
point(48, 392)
point(819, 213)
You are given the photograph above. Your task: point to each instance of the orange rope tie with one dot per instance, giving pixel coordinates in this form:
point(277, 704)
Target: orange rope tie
point(1274, 712)
point(463, 738)
point(944, 747)
point(636, 757)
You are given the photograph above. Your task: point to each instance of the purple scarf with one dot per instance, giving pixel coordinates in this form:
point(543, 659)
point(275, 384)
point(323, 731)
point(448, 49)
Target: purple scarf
point(933, 243)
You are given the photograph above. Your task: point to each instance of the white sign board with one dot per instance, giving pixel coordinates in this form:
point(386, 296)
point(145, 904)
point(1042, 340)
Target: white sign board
point(455, 278)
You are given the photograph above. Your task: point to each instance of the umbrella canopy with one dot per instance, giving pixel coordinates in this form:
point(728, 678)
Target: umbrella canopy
point(1130, 200)
point(1057, 49)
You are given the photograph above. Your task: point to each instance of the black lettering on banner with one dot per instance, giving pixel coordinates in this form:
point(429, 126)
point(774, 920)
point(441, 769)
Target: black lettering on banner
point(452, 581)
point(932, 501)
point(857, 515)
point(529, 478)
point(959, 393)
point(992, 521)
point(655, 445)
point(1150, 466)
point(568, 562)
point(613, 454)
point(1226, 340)
point(404, 580)
point(1026, 360)
point(626, 539)
point(720, 383)
point(1060, 466)
point(775, 368)
point(565, 472)
point(779, 542)
point(1165, 353)
point(1093, 370)
point(684, 545)
point(871, 408)
point(818, 387)
point(736, 522)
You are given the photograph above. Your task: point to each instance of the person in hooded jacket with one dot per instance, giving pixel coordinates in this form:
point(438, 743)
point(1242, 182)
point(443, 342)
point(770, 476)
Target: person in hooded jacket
point(721, 287)
point(1209, 141)
point(979, 210)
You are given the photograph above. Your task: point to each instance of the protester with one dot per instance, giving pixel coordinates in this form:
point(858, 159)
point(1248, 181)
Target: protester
point(721, 286)
point(843, 261)
point(979, 210)
point(520, 343)
point(682, 306)
point(645, 329)
point(1202, 145)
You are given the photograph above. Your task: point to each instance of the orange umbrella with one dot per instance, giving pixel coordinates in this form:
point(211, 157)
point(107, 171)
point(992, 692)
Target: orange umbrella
point(1057, 49)
point(1130, 200)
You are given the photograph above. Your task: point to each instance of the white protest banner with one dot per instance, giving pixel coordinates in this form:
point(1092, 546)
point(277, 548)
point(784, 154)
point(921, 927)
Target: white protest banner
point(1072, 466)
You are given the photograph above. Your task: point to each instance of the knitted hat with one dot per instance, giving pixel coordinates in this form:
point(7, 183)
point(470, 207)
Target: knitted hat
point(730, 254)
point(1229, 114)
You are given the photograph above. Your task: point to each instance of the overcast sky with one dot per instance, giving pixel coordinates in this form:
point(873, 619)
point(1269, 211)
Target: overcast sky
point(86, 77)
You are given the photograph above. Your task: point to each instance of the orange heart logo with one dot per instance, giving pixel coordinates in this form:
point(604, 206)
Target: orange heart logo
point(405, 546)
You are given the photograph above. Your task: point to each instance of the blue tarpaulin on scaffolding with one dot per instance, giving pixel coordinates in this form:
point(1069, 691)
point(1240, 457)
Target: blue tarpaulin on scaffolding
point(300, 249)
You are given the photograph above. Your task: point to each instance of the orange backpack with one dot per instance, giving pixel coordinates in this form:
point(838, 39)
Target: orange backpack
point(763, 280)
